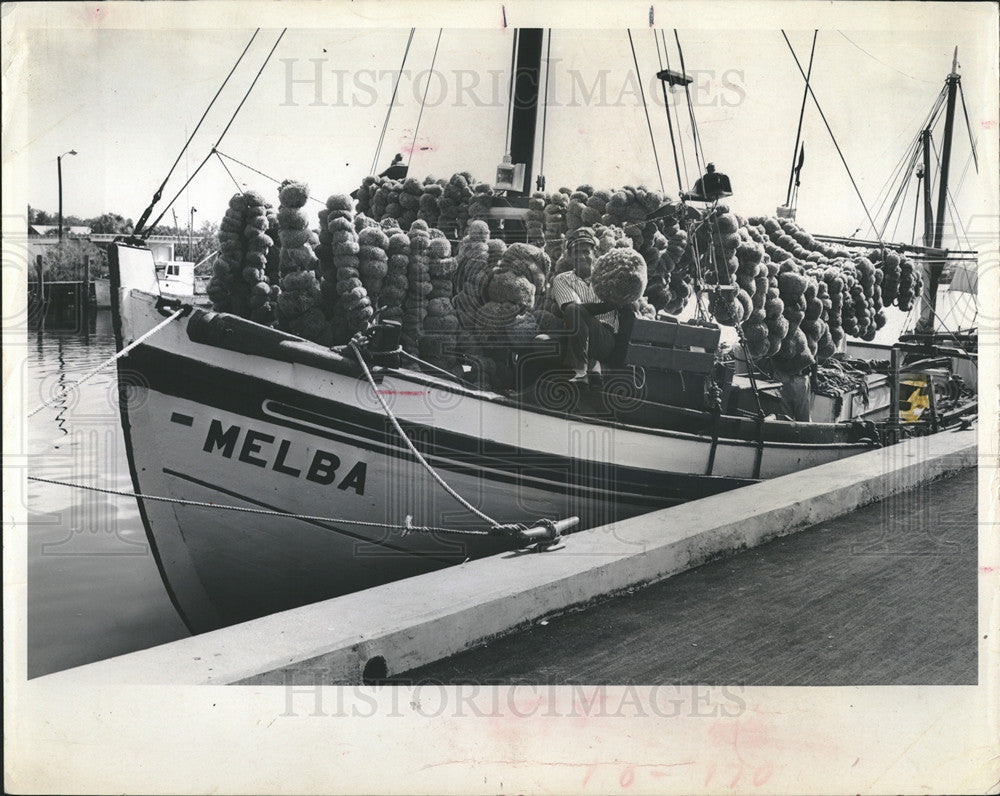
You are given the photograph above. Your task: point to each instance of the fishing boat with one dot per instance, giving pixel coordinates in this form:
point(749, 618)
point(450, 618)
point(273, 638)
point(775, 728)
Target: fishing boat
point(272, 471)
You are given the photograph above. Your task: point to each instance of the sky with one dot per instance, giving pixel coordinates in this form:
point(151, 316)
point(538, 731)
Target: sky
point(125, 97)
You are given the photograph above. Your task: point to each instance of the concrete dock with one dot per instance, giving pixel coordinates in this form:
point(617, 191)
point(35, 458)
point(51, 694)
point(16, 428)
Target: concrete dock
point(803, 612)
point(885, 595)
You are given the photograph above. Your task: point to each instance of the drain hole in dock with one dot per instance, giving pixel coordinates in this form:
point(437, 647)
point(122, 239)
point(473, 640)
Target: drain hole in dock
point(375, 671)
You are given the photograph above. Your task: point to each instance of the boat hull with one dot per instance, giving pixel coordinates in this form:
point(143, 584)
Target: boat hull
point(303, 446)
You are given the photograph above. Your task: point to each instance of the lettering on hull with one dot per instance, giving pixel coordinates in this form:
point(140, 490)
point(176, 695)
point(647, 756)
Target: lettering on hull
point(260, 449)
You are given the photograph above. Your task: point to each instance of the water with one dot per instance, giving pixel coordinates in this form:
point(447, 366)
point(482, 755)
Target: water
point(93, 587)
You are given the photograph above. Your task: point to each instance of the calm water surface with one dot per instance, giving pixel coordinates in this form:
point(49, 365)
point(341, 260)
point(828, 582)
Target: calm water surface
point(93, 587)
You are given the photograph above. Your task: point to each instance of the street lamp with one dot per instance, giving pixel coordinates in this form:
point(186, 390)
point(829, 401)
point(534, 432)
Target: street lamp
point(59, 172)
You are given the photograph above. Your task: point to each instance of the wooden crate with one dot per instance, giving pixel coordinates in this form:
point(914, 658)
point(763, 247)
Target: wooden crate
point(667, 345)
point(660, 358)
point(670, 333)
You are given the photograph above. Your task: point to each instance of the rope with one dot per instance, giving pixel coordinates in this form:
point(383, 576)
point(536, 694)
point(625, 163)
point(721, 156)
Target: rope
point(670, 121)
point(224, 131)
point(545, 109)
point(424, 100)
point(265, 512)
point(687, 92)
point(239, 187)
point(419, 457)
point(645, 108)
point(385, 124)
point(900, 196)
point(680, 138)
point(447, 373)
point(110, 361)
point(968, 126)
point(953, 209)
point(888, 66)
point(510, 91)
point(802, 113)
point(276, 181)
point(833, 138)
point(905, 188)
point(159, 191)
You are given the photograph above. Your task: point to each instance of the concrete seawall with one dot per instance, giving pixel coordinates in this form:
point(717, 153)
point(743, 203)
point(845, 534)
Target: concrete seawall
point(409, 623)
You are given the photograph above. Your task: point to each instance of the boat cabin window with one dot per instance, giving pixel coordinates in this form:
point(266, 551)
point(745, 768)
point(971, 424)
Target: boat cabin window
point(173, 270)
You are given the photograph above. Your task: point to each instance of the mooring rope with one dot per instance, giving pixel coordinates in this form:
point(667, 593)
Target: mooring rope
point(419, 457)
point(266, 512)
point(108, 362)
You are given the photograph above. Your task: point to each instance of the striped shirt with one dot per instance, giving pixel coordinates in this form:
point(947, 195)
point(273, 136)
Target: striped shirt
point(568, 287)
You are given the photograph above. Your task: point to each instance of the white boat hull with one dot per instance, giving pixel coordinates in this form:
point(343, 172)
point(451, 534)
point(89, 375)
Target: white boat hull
point(208, 425)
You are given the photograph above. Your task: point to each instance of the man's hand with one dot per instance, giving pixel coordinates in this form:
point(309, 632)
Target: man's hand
point(599, 307)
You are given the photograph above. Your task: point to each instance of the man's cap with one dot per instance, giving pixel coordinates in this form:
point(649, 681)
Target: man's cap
point(581, 235)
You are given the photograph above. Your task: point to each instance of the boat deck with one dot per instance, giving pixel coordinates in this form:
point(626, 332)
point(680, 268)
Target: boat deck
point(886, 595)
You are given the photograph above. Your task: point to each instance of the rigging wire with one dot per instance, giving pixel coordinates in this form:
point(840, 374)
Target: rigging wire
point(901, 171)
point(275, 180)
point(914, 144)
point(802, 113)
point(159, 191)
point(902, 202)
point(413, 448)
point(645, 108)
point(406, 528)
point(392, 101)
point(423, 101)
point(834, 139)
point(219, 141)
point(235, 181)
point(545, 109)
point(63, 391)
point(950, 205)
point(666, 107)
point(894, 69)
point(680, 136)
point(687, 92)
point(968, 126)
point(904, 183)
point(510, 91)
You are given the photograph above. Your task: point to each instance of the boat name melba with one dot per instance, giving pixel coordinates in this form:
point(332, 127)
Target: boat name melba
point(322, 469)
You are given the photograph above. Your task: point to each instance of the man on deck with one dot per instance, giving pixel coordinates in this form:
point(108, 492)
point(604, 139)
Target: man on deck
point(593, 325)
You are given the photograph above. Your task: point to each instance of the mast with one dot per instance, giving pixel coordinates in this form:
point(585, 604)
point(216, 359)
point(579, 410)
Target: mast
point(524, 115)
point(949, 126)
point(935, 267)
point(925, 140)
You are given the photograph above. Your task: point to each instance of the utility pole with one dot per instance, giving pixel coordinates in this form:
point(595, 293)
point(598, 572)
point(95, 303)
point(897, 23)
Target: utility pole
point(191, 233)
point(59, 175)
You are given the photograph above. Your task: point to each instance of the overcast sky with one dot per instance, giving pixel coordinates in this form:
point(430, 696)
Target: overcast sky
point(125, 97)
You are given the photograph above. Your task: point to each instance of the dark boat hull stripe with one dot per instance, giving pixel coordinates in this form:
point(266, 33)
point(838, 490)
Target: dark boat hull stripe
point(205, 384)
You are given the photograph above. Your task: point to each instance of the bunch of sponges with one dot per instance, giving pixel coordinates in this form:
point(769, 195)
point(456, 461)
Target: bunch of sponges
point(299, 302)
point(554, 216)
point(419, 286)
point(535, 219)
point(393, 294)
point(631, 205)
point(619, 277)
point(239, 283)
point(437, 345)
point(373, 260)
point(352, 309)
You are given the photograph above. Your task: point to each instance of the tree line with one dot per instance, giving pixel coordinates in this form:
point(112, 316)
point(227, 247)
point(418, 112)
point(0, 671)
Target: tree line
point(65, 261)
